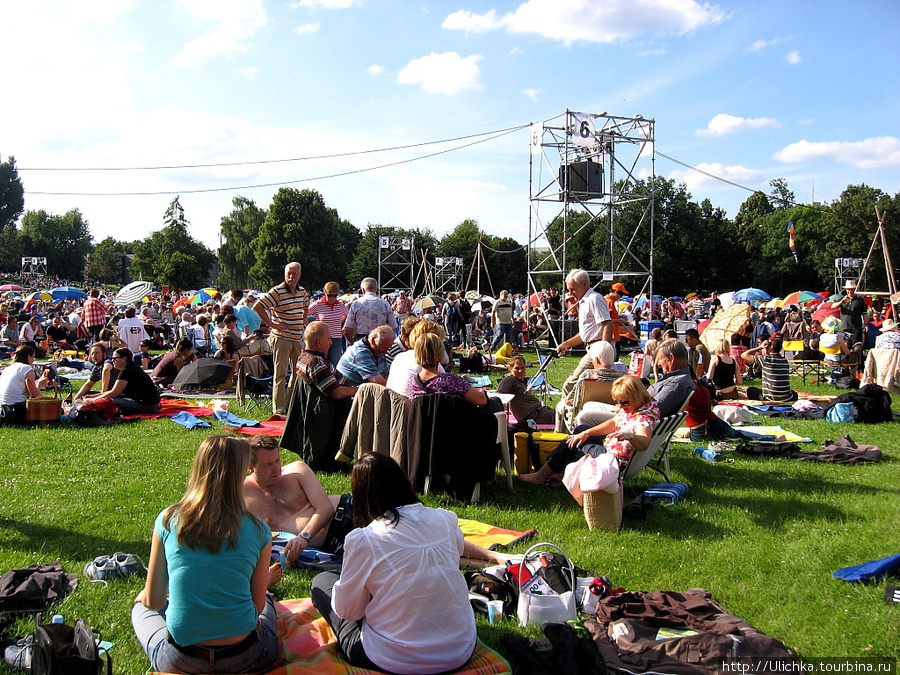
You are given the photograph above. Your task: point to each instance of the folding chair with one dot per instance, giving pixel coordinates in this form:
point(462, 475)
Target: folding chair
point(254, 381)
point(539, 382)
point(659, 445)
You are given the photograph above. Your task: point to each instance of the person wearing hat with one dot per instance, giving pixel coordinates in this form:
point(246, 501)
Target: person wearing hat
point(853, 308)
point(616, 291)
point(889, 338)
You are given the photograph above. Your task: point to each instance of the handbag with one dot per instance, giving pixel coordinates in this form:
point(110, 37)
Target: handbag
point(539, 601)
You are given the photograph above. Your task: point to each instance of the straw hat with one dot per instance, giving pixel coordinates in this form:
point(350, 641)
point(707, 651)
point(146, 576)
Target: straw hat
point(889, 325)
point(850, 283)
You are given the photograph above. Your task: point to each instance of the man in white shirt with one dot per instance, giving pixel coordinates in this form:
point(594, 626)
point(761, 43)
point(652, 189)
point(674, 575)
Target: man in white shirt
point(594, 323)
point(131, 331)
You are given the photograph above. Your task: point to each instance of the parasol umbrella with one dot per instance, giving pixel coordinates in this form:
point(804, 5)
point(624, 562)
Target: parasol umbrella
point(642, 300)
point(436, 299)
point(133, 292)
point(10, 287)
point(67, 293)
point(773, 303)
point(202, 374)
point(472, 295)
point(801, 298)
point(39, 296)
point(723, 324)
point(424, 303)
point(726, 299)
point(203, 295)
point(750, 295)
point(825, 310)
point(11, 294)
point(484, 303)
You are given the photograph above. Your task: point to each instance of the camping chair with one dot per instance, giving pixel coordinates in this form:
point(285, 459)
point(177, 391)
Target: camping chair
point(659, 445)
point(539, 382)
point(254, 382)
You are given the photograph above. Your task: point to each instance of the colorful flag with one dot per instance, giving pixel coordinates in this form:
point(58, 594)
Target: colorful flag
point(790, 231)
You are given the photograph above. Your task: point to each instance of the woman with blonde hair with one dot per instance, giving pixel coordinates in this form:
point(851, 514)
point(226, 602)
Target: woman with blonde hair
point(432, 380)
point(404, 364)
point(627, 432)
point(724, 372)
point(204, 606)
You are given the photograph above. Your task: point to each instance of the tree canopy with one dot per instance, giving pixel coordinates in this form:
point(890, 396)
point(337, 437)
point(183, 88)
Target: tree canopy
point(12, 194)
point(64, 240)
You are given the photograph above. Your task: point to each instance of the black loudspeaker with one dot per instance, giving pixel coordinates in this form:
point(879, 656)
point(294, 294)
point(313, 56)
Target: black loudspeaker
point(581, 181)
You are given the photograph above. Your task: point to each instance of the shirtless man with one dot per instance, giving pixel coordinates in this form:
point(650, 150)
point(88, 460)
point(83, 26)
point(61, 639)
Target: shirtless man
point(291, 499)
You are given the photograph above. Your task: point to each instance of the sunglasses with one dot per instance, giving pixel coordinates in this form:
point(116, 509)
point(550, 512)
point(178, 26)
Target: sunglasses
point(623, 402)
point(331, 295)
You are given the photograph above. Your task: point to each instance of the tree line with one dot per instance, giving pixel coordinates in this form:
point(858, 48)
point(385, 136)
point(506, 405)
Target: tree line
point(695, 246)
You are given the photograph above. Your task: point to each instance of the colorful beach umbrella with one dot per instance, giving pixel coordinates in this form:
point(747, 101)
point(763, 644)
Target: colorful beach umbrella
point(801, 298)
point(38, 296)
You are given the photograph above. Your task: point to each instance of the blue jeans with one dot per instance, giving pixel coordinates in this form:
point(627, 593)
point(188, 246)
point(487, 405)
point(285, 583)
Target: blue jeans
point(150, 629)
point(503, 332)
point(720, 429)
point(338, 346)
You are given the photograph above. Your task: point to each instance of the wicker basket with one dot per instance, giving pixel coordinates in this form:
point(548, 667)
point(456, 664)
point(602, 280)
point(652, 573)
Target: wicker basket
point(43, 410)
point(603, 510)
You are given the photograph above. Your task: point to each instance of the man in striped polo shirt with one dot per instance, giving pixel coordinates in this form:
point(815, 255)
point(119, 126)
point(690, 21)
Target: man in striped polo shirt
point(283, 310)
point(776, 372)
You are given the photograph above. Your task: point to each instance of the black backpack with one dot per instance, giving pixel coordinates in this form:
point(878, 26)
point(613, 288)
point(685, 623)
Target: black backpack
point(60, 649)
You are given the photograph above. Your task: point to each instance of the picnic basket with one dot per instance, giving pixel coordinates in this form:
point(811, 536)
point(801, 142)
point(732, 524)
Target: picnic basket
point(603, 510)
point(43, 410)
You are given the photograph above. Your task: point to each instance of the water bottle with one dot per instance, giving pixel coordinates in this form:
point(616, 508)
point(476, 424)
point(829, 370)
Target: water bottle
point(708, 454)
point(57, 618)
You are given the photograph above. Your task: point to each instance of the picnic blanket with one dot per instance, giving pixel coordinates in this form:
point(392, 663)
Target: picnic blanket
point(681, 435)
point(169, 407)
point(308, 646)
point(270, 427)
point(491, 537)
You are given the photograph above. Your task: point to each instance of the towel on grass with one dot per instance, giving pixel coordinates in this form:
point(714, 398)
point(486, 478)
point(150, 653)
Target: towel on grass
point(268, 428)
point(168, 407)
point(309, 647)
point(188, 421)
point(874, 570)
point(490, 537)
point(231, 420)
point(682, 434)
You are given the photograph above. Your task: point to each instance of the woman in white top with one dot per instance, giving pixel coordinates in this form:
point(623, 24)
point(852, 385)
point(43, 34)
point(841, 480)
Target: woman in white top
point(404, 364)
point(400, 604)
point(18, 383)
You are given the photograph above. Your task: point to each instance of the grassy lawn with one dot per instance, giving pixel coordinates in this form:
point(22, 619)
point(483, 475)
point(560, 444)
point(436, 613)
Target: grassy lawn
point(763, 535)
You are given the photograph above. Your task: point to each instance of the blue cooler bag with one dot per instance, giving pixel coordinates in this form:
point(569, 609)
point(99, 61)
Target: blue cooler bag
point(665, 493)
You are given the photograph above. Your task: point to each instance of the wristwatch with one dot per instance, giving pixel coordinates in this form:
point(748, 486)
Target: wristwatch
point(305, 535)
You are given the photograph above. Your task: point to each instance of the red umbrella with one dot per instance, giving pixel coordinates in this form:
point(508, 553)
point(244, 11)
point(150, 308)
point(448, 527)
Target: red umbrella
point(825, 310)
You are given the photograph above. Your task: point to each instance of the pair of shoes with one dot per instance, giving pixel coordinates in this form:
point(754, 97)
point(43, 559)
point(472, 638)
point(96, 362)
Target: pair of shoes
point(720, 446)
point(18, 655)
point(104, 567)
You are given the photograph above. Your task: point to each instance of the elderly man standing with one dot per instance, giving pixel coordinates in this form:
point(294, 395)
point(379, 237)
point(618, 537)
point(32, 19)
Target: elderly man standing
point(402, 307)
point(594, 323)
point(365, 360)
point(369, 312)
point(853, 308)
point(283, 309)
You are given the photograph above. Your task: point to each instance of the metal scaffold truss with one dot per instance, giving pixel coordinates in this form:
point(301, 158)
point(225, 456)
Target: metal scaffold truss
point(584, 172)
point(396, 262)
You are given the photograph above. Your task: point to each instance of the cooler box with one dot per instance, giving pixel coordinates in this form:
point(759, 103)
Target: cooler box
point(681, 327)
point(546, 442)
point(646, 328)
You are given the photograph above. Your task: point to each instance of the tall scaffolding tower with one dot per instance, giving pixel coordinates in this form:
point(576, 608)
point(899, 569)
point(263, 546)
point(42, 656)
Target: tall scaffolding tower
point(447, 275)
point(588, 165)
point(34, 269)
point(396, 260)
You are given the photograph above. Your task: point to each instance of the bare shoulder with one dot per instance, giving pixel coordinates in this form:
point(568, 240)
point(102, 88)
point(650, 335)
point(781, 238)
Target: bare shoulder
point(297, 467)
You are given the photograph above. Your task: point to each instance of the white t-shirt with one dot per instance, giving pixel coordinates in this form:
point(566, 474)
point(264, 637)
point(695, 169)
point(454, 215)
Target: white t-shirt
point(403, 581)
point(131, 332)
point(403, 367)
point(12, 383)
point(592, 311)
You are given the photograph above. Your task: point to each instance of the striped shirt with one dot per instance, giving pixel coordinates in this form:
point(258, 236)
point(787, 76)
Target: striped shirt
point(776, 376)
point(333, 316)
point(315, 369)
point(287, 308)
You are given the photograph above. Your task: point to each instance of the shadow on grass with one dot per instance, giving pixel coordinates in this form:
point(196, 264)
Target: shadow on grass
point(55, 542)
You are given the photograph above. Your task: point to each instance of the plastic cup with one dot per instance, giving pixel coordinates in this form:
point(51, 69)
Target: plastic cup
point(494, 611)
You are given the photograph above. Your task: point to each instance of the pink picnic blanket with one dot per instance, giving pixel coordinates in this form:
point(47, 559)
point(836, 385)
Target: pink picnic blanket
point(309, 647)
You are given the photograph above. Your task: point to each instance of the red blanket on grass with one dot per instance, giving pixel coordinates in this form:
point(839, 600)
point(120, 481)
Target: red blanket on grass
point(171, 406)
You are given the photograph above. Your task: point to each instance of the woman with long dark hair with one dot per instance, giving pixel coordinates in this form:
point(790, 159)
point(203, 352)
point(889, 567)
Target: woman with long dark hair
point(204, 607)
point(400, 604)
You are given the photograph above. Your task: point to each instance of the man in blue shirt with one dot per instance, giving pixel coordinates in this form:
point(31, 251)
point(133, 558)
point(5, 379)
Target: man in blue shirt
point(364, 360)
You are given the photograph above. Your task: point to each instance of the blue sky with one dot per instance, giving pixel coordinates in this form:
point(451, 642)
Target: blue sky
point(750, 91)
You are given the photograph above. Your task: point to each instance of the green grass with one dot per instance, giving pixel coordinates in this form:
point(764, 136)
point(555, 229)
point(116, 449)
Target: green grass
point(762, 535)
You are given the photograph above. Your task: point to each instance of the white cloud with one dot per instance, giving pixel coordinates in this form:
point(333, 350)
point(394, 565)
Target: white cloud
point(696, 181)
point(307, 28)
point(573, 20)
point(872, 153)
point(652, 52)
point(762, 44)
point(806, 122)
point(532, 94)
point(471, 22)
point(723, 124)
point(447, 73)
point(231, 24)
point(793, 57)
point(325, 4)
point(249, 73)
point(375, 69)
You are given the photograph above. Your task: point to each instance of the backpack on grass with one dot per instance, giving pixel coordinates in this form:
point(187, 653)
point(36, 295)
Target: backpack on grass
point(60, 649)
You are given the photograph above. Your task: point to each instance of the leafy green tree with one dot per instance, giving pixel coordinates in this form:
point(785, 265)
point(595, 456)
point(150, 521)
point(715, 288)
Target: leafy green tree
point(781, 196)
point(109, 262)
point(461, 242)
point(239, 230)
point(299, 226)
point(12, 193)
point(172, 257)
point(508, 269)
point(579, 228)
point(10, 248)
point(64, 240)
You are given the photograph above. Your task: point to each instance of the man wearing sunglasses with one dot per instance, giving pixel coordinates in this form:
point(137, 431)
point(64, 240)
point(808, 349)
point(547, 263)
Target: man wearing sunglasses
point(332, 312)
